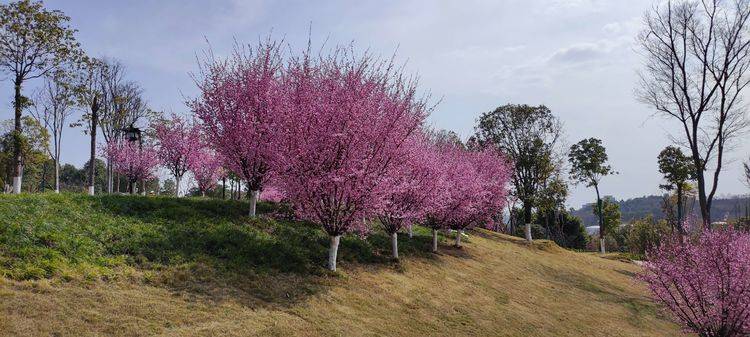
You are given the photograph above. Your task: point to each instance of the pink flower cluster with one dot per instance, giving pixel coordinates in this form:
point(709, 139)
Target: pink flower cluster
point(704, 282)
point(131, 159)
point(207, 168)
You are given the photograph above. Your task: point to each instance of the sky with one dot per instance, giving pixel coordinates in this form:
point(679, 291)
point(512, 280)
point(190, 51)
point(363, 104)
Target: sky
point(577, 57)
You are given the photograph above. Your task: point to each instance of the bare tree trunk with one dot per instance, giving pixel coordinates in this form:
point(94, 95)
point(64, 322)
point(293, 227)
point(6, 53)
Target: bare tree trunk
point(680, 207)
point(602, 234)
point(458, 237)
point(110, 178)
point(18, 177)
point(333, 251)
point(410, 230)
point(434, 240)
point(527, 231)
point(394, 245)
point(253, 196)
point(92, 158)
point(57, 174)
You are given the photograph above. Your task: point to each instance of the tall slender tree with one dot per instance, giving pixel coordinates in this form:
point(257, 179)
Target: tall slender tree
point(52, 106)
point(588, 164)
point(89, 92)
point(33, 42)
point(697, 58)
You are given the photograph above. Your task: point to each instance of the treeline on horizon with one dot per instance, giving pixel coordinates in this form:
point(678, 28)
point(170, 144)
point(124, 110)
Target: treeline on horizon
point(726, 209)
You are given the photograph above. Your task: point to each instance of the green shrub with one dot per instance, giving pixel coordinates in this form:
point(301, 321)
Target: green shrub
point(646, 233)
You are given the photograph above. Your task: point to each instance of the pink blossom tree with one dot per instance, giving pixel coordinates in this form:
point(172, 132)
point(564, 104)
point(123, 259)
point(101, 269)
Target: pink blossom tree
point(207, 168)
point(407, 189)
point(178, 142)
point(346, 118)
point(449, 166)
point(704, 282)
point(132, 160)
point(238, 108)
point(481, 182)
point(271, 193)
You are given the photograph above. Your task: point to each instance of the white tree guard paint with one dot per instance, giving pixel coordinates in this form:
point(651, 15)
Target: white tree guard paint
point(333, 251)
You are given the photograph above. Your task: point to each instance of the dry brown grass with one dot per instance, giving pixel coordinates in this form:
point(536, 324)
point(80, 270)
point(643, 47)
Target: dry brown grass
point(495, 286)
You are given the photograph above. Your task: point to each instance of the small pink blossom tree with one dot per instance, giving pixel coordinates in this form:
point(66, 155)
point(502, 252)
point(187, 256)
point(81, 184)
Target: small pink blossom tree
point(481, 187)
point(704, 282)
point(346, 118)
point(407, 189)
point(448, 165)
point(238, 108)
point(178, 142)
point(207, 168)
point(132, 160)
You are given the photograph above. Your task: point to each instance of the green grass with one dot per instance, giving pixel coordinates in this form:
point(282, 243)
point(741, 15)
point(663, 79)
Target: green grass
point(74, 265)
point(43, 236)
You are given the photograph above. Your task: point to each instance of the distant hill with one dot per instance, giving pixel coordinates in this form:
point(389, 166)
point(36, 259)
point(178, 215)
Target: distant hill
point(636, 208)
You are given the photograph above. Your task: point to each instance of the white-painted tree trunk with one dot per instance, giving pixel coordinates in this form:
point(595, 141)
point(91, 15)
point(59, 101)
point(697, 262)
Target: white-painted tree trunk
point(411, 231)
point(57, 176)
point(177, 186)
point(602, 246)
point(458, 237)
point(434, 240)
point(17, 185)
point(333, 251)
point(110, 178)
point(91, 190)
point(254, 201)
point(394, 245)
point(527, 230)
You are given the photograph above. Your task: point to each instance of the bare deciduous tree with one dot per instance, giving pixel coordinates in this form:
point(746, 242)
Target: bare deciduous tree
point(697, 56)
point(51, 107)
point(121, 105)
point(89, 79)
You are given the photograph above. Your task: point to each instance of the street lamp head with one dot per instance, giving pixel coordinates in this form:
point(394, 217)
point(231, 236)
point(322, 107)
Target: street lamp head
point(132, 133)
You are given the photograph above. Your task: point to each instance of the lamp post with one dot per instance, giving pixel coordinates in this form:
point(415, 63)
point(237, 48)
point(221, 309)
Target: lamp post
point(133, 134)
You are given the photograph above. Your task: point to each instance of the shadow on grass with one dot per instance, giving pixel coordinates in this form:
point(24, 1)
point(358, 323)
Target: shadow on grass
point(210, 248)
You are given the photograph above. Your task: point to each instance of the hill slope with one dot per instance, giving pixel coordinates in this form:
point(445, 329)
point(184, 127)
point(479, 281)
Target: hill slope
point(130, 266)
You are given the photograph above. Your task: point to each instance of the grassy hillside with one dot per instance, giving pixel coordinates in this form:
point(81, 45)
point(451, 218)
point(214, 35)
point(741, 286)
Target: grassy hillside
point(73, 265)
